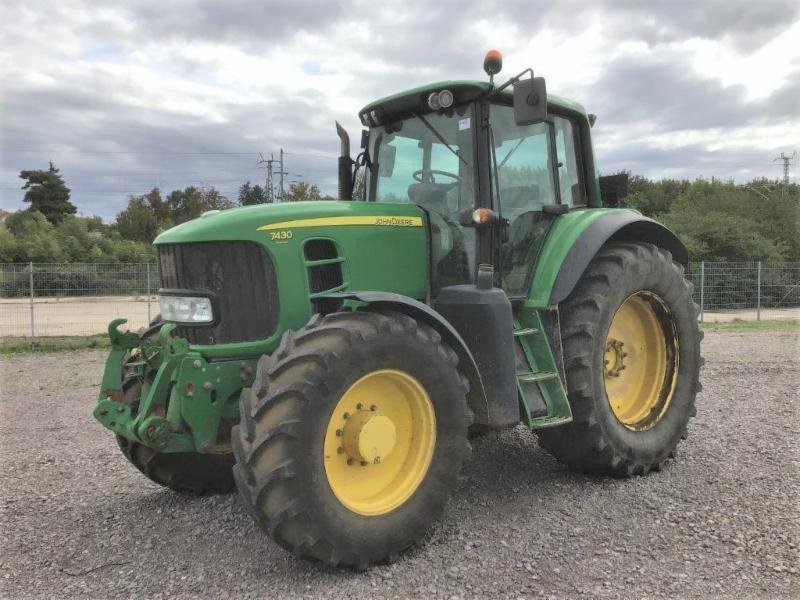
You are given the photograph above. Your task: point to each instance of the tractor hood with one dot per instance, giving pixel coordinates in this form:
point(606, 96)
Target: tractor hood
point(320, 247)
point(256, 222)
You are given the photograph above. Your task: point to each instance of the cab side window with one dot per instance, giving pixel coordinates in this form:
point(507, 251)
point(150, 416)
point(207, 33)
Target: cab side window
point(569, 165)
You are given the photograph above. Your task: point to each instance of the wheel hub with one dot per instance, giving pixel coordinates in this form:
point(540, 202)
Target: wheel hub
point(379, 442)
point(368, 437)
point(640, 361)
point(614, 358)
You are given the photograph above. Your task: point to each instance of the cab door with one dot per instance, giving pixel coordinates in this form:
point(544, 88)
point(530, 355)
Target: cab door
point(537, 178)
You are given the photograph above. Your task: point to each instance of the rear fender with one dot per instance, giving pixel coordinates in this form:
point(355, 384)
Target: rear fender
point(564, 258)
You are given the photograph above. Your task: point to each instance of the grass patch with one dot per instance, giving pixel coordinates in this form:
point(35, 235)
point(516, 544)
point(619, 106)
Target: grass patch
point(54, 344)
point(739, 325)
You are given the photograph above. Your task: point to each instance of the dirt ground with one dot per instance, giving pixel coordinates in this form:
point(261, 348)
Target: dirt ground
point(84, 315)
point(89, 315)
point(722, 520)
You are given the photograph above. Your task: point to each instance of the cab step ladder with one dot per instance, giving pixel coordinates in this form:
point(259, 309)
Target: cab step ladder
point(542, 396)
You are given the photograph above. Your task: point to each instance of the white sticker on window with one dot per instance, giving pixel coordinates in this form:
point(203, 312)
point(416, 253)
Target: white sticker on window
point(463, 124)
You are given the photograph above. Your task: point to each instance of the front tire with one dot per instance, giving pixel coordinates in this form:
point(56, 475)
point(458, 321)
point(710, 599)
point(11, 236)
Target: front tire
point(352, 437)
point(188, 473)
point(631, 346)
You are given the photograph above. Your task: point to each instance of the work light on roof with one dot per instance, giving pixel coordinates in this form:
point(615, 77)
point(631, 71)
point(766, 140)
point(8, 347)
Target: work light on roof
point(442, 99)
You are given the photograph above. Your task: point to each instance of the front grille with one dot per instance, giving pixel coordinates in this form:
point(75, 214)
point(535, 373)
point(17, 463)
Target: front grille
point(242, 277)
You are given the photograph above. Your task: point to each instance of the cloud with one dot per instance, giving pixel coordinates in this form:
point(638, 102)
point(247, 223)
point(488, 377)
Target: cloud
point(125, 97)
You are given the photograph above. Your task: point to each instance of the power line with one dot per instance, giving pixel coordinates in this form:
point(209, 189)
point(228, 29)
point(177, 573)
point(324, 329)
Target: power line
point(39, 150)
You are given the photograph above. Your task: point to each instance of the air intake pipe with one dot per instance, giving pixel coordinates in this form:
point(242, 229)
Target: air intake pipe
point(345, 165)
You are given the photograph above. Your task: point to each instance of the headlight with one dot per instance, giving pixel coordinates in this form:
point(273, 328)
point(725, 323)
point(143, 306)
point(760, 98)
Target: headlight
point(186, 309)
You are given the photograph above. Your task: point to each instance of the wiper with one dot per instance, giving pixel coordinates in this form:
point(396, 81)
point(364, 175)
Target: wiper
point(510, 152)
point(439, 137)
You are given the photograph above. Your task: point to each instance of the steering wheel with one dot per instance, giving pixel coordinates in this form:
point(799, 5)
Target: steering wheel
point(417, 175)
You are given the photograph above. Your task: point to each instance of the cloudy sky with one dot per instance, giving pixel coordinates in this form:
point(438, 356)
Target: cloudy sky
point(127, 95)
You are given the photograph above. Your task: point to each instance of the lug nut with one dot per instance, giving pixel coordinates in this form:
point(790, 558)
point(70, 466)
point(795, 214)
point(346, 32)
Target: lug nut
point(339, 432)
point(346, 415)
point(197, 364)
point(340, 450)
point(359, 406)
point(364, 463)
point(350, 461)
point(208, 385)
point(373, 408)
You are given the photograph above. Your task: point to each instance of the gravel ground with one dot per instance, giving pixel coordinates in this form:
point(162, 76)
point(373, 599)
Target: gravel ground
point(721, 521)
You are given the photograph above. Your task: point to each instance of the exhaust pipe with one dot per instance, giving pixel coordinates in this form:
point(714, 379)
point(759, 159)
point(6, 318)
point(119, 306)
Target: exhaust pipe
point(345, 165)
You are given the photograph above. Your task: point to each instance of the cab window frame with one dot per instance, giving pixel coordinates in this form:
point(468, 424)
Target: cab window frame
point(578, 155)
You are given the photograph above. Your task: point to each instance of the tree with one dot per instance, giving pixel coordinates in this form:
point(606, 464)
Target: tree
point(8, 245)
point(251, 194)
point(192, 202)
point(47, 193)
point(137, 222)
point(303, 191)
point(35, 237)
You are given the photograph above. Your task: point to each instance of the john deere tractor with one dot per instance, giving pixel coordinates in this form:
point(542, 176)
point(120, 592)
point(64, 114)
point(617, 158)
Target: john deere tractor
point(332, 359)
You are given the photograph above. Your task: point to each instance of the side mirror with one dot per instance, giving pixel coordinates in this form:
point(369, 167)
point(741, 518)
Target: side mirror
point(530, 101)
point(386, 160)
point(613, 188)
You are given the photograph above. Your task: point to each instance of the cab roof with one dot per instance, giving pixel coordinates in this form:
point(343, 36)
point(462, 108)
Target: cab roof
point(464, 91)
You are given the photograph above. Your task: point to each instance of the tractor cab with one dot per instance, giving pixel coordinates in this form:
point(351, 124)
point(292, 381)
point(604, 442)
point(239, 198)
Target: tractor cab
point(491, 167)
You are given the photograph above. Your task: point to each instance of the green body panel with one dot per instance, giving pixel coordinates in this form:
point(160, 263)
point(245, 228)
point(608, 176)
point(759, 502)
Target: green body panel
point(564, 233)
point(375, 257)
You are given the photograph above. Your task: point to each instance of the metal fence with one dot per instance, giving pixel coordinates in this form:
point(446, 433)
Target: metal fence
point(75, 299)
point(751, 290)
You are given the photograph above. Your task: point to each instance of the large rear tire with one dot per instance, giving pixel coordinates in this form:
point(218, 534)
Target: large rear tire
point(352, 437)
point(631, 346)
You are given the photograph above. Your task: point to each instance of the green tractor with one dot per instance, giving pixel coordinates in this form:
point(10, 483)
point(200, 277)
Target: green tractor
point(332, 359)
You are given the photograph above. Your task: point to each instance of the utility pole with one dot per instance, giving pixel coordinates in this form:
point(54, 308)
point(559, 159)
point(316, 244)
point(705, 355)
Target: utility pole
point(269, 186)
point(282, 173)
point(788, 161)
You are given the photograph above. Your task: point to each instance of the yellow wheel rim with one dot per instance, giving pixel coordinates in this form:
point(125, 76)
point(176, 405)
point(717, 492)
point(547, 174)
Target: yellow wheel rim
point(640, 361)
point(379, 442)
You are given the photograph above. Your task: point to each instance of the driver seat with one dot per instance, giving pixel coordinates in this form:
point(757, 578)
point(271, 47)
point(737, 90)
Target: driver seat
point(430, 196)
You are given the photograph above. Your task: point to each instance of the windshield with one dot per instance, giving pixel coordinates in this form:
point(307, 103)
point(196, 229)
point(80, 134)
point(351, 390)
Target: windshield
point(428, 160)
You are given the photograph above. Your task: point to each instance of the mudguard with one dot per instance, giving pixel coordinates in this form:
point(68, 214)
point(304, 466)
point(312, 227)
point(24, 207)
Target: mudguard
point(572, 244)
point(422, 312)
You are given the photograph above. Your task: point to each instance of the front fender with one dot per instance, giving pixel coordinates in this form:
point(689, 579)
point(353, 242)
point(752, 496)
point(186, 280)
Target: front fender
point(422, 312)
